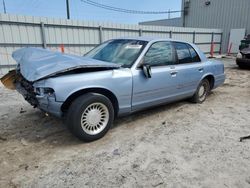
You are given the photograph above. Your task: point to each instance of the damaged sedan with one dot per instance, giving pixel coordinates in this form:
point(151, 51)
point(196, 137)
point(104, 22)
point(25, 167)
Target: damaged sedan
point(116, 78)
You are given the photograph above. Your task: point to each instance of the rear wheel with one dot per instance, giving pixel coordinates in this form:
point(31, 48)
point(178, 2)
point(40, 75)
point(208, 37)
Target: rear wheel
point(90, 116)
point(201, 92)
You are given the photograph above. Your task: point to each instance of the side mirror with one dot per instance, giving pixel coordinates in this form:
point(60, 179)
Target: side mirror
point(147, 70)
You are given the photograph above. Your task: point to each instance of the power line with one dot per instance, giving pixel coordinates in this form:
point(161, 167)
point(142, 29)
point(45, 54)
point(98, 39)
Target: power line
point(117, 9)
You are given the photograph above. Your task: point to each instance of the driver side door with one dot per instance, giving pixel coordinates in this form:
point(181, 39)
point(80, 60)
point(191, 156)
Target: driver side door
point(161, 87)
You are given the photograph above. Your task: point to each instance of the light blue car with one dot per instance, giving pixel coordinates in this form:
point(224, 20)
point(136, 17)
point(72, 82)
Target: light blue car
point(118, 77)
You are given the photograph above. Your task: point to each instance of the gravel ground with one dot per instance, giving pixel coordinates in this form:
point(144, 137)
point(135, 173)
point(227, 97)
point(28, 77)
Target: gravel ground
point(177, 145)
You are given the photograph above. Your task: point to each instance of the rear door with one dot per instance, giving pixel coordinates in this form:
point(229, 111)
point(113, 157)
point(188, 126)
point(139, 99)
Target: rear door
point(189, 69)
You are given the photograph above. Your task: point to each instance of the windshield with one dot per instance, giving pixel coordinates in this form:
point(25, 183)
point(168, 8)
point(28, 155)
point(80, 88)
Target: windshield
point(120, 51)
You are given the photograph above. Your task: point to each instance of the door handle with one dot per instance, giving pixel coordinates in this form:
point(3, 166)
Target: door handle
point(201, 69)
point(173, 73)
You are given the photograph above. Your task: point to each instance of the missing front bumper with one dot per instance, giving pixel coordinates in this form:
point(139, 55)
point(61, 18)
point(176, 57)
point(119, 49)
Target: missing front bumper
point(15, 81)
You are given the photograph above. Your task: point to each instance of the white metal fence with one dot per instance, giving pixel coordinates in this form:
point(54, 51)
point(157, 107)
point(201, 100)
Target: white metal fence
point(78, 36)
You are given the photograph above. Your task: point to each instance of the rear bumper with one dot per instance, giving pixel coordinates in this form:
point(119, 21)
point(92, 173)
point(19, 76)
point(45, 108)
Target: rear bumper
point(219, 80)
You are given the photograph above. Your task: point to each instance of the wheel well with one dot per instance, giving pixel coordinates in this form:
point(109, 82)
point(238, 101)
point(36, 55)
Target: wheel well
point(210, 78)
point(102, 91)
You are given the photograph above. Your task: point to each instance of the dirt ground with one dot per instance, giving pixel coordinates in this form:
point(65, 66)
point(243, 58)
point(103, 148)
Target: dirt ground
point(177, 145)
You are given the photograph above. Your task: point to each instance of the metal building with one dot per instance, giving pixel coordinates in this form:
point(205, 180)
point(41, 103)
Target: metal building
point(224, 14)
point(232, 16)
point(176, 22)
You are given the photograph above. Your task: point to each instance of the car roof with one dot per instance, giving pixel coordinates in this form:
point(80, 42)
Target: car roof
point(156, 39)
point(151, 39)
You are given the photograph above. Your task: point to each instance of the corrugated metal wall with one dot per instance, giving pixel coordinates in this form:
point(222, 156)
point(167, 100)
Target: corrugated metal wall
point(224, 14)
point(79, 37)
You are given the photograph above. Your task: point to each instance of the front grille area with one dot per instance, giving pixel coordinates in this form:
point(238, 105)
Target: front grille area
point(26, 88)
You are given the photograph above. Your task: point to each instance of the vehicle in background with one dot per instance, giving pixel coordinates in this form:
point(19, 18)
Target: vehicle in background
point(116, 78)
point(243, 57)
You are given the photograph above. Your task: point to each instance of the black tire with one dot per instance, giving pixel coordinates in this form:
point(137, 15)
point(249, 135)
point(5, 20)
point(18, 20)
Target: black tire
point(77, 110)
point(243, 66)
point(198, 98)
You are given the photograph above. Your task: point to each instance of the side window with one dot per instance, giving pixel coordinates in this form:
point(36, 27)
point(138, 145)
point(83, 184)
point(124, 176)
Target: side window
point(160, 54)
point(183, 53)
point(194, 55)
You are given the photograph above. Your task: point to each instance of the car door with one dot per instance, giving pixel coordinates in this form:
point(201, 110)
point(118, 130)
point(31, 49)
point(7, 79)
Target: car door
point(161, 87)
point(189, 69)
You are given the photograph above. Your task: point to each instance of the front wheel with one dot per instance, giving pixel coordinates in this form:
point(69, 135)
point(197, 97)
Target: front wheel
point(90, 116)
point(201, 92)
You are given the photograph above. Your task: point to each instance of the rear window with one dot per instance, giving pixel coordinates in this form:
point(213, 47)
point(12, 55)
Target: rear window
point(186, 53)
point(183, 53)
point(195, 57)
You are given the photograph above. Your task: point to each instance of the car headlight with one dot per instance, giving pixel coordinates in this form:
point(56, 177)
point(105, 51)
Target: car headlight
point(44, 91)
point(239, 55)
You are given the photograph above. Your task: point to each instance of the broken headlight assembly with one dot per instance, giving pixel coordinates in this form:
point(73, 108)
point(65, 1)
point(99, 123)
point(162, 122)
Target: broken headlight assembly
point(44, 91)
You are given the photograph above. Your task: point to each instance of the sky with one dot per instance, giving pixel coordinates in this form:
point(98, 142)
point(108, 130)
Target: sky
point(81, 11)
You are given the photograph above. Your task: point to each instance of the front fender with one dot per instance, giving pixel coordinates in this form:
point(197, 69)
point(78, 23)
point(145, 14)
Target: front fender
point(119, 82)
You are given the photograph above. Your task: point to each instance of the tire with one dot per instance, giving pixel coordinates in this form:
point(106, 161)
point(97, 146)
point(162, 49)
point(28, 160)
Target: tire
point(90, 116)
point(201, 92)
point(243, 66)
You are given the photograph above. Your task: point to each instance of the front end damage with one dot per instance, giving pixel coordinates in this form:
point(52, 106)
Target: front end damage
point(36, 65)
point(26, 89)
point(14, 80)
point(39, 97)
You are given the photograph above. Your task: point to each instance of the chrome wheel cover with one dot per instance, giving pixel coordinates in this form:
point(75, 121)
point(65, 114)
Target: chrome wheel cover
point(203, 91)
point(95, 118)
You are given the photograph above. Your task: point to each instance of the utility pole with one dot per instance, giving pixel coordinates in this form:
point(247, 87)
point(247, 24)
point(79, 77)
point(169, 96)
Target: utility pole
point(4, 7)
point(67, 6)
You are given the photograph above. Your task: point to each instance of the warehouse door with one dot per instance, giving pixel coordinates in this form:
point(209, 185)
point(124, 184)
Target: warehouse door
point(236, 35)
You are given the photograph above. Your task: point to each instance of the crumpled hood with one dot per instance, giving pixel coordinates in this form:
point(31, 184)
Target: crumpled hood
point(38, 63)
point(245, 51)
